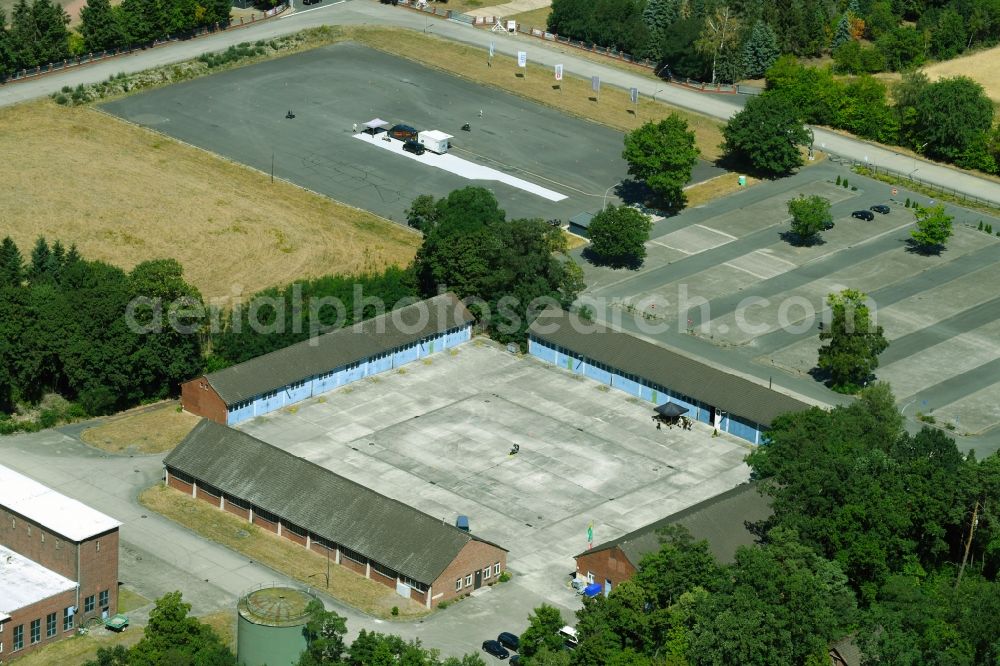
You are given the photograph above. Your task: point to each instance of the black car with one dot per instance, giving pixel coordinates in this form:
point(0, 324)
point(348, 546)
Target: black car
point(866, 215)
point(515, 660)
point(828, 225)
point(414, 147)
point(880, 208)
point(509, 640)
point(494, 648)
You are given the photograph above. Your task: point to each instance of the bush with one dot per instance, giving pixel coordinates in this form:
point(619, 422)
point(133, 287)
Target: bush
point(504, 576)
point(443, 605)
point(989, 228)
point(395, 611)
point(845, 183)
point(980, 227)
point(838, 181)
point(907, 202)
point(61, 99)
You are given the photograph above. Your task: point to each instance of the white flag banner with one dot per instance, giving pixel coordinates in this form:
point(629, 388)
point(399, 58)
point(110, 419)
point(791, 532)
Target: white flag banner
point(558, 72)
point(595, 83)
point(633, 94)
point(493, 48)
point(522, 58)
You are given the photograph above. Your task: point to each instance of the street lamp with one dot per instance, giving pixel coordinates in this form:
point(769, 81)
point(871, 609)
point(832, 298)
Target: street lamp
point(915, 157)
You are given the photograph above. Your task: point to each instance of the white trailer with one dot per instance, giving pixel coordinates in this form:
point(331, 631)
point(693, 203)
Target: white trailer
point(435, 141)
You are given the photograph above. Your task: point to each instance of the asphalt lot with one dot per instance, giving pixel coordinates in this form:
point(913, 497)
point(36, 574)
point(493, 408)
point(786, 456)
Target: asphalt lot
point(437, 436)
point(240, 114)
point(723, 283)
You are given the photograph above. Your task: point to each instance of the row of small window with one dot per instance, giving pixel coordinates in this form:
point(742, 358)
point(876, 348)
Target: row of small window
point(488, 572)
point(13, 526)
point(35, 627)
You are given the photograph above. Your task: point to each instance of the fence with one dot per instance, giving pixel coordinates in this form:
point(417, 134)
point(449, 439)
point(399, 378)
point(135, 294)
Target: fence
point(894, 177)
point(88, 58)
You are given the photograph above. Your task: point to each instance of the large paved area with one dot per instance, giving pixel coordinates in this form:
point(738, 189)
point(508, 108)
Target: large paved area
point(437, 436)
point(240, 114)
point(722, 277)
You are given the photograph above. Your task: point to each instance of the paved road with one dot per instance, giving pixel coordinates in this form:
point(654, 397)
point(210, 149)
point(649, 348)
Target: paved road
point(158, 556)
point(362, 12)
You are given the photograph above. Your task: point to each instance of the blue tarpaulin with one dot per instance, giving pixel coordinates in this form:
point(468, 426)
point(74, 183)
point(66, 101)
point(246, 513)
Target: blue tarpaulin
point(593, 589)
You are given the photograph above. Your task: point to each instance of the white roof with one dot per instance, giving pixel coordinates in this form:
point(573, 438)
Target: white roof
point(436, 135)
point(50, 509)
point(23, 582)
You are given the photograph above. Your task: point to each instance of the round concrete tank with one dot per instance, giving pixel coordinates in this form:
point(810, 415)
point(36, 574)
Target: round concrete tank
point(271, 624)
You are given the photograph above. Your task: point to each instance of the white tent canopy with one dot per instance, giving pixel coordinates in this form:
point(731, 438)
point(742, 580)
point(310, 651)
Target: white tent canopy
point(376, 123)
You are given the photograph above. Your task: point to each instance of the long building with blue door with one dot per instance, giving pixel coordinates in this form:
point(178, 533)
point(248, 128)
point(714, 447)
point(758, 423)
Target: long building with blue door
point(329, 361)
point(623, 361)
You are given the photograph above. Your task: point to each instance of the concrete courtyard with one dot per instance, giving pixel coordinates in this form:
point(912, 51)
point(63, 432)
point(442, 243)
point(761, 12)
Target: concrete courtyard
point(437, 436)
point(722, 281)
point(240, 114)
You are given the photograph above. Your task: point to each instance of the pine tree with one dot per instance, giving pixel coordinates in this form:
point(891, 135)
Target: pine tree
point(11, 264)
point(842, 34)
point(218, 11)
point(6, 53)
point(50, 21)
point(99, 26)
point(658, 16)
point(760, 51)
point(22, 37)
point(40, 260)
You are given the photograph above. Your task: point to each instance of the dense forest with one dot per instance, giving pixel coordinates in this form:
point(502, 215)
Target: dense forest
point(720, 40)
point(67, 327)
point(38, 31)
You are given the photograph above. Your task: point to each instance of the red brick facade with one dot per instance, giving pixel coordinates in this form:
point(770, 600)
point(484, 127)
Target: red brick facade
point(604, 565)
point(40, 612)
point(476, 556)
point(198, 397)
point(91, 563)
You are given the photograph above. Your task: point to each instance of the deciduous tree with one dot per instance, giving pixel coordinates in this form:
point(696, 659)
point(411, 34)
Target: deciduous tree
point(174, 637)
point(952, 117)
point(855, 342)
point(810, 215)
point(766, 135)
point(618, 235)
point(933, 228)
point(662, 155)
point(542, 632)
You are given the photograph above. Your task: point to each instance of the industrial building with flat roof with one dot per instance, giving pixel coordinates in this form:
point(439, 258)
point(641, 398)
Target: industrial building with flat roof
point(58, 564)
point(727, 402)
point(418, 555)
point(723, 521)
point(323, 363)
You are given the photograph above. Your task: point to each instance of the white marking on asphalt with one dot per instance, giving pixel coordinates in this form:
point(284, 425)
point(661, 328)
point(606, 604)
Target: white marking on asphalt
point(461, 167)
point(306, 11)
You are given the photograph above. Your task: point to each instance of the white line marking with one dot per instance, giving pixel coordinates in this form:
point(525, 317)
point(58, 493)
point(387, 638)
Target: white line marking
point(721, 233)
point(461, 167)
point(745, 270)
point(299, 12)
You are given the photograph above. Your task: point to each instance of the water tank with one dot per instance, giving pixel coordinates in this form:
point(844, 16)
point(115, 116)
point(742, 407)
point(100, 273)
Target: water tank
point(271, 624)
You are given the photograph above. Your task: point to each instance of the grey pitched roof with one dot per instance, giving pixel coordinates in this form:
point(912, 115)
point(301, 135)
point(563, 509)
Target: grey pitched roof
point(720, 520)
point(679, 373)
point(399, 328)
point(393, 534)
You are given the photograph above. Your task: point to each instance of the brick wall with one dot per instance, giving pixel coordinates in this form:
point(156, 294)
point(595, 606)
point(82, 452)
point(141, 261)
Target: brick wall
point(475, 555)
point(292, 536)
point(265, 524)
point(610, 564)
point(38, 611)
point(177, 484)
point(99, 573)
point(199, 398)
point(352, 565)
point(38, 544)
point(237, 510)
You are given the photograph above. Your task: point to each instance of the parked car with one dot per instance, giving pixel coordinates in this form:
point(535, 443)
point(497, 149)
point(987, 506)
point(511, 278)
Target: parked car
point(403, 133)
point(828, 225)
point(570, 639)
point(416, 148)
point(509, 640)
point(494, 648)
point(515, 660)
point(880, 208)
point(866, 215)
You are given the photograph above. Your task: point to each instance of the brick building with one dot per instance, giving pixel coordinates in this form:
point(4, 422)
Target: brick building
point(422, 557)
point(58, 564)
point(722, 520)
point(320, 364)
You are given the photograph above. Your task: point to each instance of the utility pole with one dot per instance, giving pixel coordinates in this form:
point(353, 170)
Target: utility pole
point(968, 542)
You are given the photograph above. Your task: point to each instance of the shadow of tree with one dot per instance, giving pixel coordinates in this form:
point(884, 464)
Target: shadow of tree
point(796, 240)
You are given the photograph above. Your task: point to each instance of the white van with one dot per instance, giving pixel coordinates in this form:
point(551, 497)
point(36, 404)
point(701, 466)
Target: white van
point(568, 634)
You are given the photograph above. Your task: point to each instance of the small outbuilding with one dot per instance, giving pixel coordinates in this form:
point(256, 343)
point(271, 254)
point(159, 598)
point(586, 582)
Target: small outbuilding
point(435, 141)
point(375, 125)
point(579, 224)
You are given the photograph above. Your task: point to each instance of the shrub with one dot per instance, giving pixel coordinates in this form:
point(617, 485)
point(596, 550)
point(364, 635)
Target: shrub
point(838, 180)
point(505, 576)
point(989, 228)
point(61, 99)
point(854, 188)
point(907, 202)
point(980, 227)
point(395, 611)
point(845, 183)
point(443, 605)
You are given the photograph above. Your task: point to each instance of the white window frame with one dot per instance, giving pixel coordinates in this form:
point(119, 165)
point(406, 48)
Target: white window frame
point(486, 571)
point(458, 584)
point(468, 580)
point(496, 569)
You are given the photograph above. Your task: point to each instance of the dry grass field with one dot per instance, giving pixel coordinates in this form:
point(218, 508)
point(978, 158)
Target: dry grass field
point(142, 431)
point(982, 66)
point(536, 18)
point(278, 553)
point(123, 195)
point(613, 109)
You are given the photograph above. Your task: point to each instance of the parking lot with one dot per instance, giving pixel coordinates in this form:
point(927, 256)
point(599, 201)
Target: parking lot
point(724, 277)
point(240, 114)
point(437, 435)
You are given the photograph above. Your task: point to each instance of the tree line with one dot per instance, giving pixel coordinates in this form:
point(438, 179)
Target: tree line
point(729, 40)
point(65, 328)
point(877, 534)
point(39, 31)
